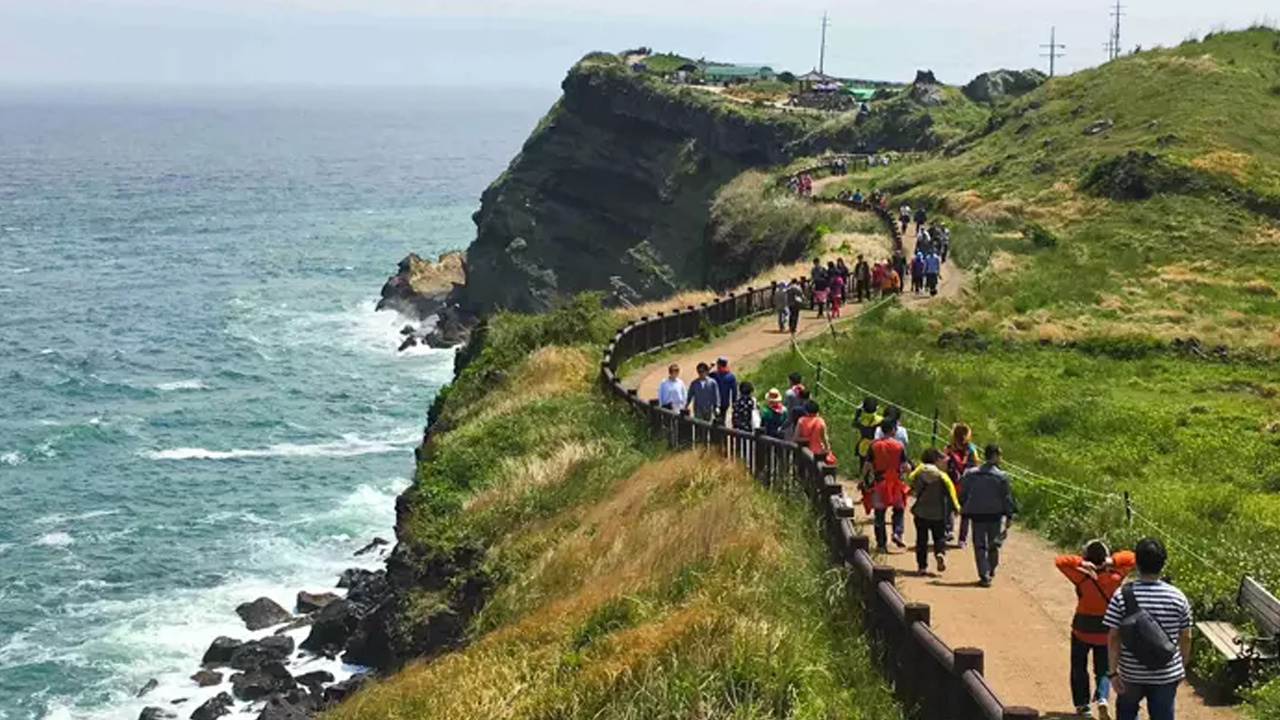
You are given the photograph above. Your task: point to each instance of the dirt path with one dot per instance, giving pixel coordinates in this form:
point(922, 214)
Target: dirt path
point(1023, 621)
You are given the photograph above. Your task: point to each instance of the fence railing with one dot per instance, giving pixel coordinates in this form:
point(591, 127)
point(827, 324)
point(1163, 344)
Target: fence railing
point(933, 680)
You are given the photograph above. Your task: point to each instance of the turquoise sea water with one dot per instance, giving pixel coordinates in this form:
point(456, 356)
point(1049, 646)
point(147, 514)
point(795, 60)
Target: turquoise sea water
point(198, 404)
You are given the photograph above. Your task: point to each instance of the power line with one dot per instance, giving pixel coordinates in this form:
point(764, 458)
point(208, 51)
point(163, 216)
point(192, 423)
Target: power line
point(1053, 47)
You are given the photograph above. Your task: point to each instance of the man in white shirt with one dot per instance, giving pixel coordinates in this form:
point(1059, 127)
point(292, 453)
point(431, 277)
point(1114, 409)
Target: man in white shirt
point(899, 433)
point(672, 393)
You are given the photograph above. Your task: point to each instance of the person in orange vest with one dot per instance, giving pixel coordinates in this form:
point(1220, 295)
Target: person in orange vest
point(1097, 575)
point(811, 431)
point(887, 462)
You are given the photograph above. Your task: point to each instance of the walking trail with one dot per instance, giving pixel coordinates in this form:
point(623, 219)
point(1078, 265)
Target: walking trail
point(1022, 622)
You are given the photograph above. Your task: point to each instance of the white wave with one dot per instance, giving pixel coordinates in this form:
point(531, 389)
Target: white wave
point(21, 271)
point(349, 446)
point(182, 385)
point(13, 458)
point(55, 539)
point(60, 519)
point(165, 635)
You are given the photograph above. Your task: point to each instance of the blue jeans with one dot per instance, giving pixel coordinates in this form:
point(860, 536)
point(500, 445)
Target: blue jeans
point(899, 525)
point(1080, 653)
point(986, 547)
point(1159, 701)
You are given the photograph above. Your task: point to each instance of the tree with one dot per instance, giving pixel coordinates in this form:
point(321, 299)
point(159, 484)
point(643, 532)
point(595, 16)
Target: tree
point(787, 77)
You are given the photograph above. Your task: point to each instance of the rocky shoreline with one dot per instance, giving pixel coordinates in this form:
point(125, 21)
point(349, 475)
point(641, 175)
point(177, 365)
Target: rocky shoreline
point(255, 677)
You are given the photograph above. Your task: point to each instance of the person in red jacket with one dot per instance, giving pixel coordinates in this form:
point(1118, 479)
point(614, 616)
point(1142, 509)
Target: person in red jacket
point(885, 465)
point(1097, 575)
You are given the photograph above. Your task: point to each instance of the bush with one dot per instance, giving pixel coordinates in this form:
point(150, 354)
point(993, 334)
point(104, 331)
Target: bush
point(1039, 236)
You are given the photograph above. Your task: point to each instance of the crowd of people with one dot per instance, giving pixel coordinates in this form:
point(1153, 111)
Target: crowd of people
point(957, 496)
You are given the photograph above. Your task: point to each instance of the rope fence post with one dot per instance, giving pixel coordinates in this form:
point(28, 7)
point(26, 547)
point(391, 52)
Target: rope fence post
point(1128, 509)
point(934, 441)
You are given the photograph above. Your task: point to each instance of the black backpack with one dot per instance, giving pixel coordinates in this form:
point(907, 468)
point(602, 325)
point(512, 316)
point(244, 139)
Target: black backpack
point(1143, 636)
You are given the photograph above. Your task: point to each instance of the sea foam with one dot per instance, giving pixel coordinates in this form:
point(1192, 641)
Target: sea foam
point(349, 446)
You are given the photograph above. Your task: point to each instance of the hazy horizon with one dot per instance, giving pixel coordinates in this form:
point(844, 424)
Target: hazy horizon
point(505, 44)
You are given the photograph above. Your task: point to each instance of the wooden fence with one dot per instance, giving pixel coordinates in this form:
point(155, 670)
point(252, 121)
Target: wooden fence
point(934, 681)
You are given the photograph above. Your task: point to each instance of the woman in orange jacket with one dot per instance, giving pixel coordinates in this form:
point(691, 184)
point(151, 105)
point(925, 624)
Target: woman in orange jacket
point(1097, 575)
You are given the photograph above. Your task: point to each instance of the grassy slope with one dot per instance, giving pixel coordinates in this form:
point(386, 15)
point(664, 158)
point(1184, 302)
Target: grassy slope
point(1188, 261)
point(619, 585)
point(1080, 383)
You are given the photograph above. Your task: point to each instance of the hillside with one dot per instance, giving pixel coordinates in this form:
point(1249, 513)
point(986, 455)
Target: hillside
point(1157, 179)
point(551, 564)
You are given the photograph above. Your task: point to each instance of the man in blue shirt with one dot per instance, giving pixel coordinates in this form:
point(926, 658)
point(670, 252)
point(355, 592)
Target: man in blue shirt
point(728, 383)
point(704, 395)
point(932, 266)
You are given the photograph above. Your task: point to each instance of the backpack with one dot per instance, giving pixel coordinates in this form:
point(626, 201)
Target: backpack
point(1143, 636)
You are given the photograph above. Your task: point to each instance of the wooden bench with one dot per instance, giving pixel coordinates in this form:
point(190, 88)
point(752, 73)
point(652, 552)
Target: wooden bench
point(1240, 647)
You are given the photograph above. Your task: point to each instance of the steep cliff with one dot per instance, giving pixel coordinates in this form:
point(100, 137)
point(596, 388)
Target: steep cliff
point(611, 191)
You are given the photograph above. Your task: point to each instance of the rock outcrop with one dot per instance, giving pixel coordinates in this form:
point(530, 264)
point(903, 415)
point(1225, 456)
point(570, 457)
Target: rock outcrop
point(419, 287)
point(612, 187)
point(990, 87)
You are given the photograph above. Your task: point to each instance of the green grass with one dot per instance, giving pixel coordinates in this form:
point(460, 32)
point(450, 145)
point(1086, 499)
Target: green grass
point(1193, 442)
point(665, 63)
point(1166, 224)
point(546, 547)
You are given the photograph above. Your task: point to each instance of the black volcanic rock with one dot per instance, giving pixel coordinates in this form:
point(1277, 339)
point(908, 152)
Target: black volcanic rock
point(263, 613)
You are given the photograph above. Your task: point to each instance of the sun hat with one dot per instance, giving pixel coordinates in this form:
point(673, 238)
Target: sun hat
point(773, 395)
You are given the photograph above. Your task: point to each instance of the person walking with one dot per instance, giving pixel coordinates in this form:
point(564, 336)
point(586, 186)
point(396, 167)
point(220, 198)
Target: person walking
point(793, 401)
point(888, 460)
point(795, 303)
point(1148, 665)
point(917, 273)
point(672, 393)
point(704, 395)
point(811, 431)
point(932, 268)
point(780, 305)
point(921, 217)
point(842, 271)
point(1096, 575)
point(986, 499)
point(862, 279)
point(904, 217)
point(866, 421)
point(961, 455)
point(835, 296)
point(746, 412)
point(773, 418)
point(728, 383)
point(935, 496)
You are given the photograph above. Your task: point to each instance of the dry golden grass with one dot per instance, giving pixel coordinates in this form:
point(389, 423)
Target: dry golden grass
point(520, 474)
point(1260, 287)
point(689, 509)
point(1265, 236)
point(1198, 273)
point(1224, 162)
point(1204, 64)
point(551, 371)
point(969, 206)
point(1002, 263)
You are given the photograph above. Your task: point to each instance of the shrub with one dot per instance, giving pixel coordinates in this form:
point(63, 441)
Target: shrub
point(1039, 236)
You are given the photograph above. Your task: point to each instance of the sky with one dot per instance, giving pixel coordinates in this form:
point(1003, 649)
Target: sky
point(533, 42)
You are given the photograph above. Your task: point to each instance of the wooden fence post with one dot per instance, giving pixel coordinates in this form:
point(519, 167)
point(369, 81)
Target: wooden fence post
point(965, 659)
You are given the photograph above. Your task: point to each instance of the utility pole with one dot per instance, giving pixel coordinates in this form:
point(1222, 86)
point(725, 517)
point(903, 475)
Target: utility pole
point(1053, 47)
point(822, 52)
point(1117, 12)
point(1109, 44)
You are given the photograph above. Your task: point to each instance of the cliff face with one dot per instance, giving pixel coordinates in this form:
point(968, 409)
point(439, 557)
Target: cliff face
point(611, 192)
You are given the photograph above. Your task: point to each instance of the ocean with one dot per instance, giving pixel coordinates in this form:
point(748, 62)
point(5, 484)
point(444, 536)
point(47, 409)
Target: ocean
point(198, 404)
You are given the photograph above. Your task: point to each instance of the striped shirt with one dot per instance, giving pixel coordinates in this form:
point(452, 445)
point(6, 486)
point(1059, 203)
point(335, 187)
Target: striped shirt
point(1170, 609)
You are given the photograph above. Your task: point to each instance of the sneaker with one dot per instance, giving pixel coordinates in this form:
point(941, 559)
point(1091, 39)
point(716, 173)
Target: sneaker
point(1083, 711)
point(897, 540)
point(882, 549)
point(942, 563)
point(984, 582)
point(1104, 712)
point(964, 544)
point(922, 571)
